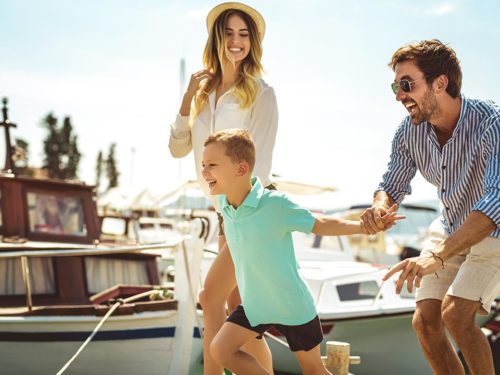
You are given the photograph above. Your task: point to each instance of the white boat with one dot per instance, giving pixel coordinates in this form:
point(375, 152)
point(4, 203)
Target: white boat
point(58, 284)
point(357, 307)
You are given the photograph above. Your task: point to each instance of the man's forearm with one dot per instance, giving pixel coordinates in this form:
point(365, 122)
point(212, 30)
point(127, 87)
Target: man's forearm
point(475, 228)
point(382, 199)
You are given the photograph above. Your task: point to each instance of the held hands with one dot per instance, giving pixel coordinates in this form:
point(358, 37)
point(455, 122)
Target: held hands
point(414, 269)
point(376, 219)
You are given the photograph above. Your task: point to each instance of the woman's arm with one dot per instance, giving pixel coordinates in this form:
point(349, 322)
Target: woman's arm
point(263, 129)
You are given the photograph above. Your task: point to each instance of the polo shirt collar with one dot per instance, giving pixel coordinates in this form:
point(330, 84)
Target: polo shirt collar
point(253, 198)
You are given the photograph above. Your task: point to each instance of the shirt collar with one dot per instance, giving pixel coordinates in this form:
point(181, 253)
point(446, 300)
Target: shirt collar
point(253, 198)
point(463, 109)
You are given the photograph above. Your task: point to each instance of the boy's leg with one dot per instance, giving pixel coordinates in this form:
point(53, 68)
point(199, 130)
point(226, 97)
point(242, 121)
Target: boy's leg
point(310, 362)
point(225, 350)
point(218, 284)
point(258, 348)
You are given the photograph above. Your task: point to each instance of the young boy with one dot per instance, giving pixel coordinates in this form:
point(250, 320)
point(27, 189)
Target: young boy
point(258, 224)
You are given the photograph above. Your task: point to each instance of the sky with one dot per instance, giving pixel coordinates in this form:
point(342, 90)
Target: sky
point(113, 67)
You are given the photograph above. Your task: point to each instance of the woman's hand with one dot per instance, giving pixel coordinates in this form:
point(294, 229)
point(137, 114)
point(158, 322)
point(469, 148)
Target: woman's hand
point(194, 84)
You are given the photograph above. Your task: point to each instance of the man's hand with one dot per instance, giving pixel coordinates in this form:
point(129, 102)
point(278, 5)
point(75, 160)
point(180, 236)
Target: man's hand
point(413, 270)
point(376, 219)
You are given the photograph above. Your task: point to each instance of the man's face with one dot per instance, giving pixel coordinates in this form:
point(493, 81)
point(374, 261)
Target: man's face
point(219, 171)
point(420, 101)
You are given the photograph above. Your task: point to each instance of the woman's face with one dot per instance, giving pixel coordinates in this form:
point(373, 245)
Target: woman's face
point(238, 38)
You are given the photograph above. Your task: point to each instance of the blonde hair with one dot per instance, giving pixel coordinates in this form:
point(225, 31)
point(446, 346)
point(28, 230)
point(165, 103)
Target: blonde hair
point(247, 84)
point(238, 144)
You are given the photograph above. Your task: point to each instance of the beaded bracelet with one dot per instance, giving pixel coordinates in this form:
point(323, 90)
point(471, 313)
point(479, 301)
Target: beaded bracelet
point(435, 255)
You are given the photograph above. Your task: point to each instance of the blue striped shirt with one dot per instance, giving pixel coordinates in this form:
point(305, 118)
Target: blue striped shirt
point(466, 170)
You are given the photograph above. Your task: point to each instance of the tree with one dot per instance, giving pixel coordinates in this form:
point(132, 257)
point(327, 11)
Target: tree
point(20, 157)
point(111, 168)
point(98, 169)
point(62, 155)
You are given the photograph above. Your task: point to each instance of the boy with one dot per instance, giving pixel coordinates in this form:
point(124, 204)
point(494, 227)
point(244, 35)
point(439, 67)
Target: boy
point(258, 225)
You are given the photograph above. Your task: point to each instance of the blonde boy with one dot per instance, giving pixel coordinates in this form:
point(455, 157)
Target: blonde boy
point(258, 224)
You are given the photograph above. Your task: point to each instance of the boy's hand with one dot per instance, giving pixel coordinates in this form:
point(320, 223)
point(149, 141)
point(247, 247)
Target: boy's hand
point(387, 220)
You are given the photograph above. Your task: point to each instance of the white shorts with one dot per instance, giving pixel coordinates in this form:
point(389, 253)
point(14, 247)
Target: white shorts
point(473, 275)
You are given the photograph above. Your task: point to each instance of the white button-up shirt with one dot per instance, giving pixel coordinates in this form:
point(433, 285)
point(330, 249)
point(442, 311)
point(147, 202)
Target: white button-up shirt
point(261, 121)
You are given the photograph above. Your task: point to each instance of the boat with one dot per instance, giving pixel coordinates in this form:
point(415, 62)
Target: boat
point(69, 302)
point(356, 306)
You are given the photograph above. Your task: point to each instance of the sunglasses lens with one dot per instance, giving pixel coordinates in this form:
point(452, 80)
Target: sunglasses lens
point(405, 85)
point(395, 87)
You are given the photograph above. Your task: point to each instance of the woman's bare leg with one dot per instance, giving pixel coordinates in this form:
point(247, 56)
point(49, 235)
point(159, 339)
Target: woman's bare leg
point(226, 349)
point(218, 284)
point(257, 348)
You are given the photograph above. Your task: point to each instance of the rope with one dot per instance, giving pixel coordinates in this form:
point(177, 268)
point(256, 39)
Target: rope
point(277, 339)
point(99, 325)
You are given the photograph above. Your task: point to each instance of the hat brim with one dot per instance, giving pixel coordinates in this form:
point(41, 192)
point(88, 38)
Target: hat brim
point(256, 16)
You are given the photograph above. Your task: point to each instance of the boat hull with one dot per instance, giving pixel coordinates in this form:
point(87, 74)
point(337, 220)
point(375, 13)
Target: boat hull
point(130, 344)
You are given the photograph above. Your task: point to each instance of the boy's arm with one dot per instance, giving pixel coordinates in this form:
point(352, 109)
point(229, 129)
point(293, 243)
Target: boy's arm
point(332, 226)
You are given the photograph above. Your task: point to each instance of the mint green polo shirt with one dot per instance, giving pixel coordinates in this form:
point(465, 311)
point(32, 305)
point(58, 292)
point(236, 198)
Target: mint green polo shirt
point(259, 236)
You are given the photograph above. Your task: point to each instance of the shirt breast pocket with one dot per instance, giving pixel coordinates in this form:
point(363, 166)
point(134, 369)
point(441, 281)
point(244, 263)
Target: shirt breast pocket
point(232, 116)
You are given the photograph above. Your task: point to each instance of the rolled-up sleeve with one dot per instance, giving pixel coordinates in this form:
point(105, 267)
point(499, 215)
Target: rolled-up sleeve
point(180, 137)
point(489, 204)
point(400, 170)
point(263, 129)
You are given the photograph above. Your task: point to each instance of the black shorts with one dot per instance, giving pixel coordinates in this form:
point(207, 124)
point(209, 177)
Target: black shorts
point(302, 337)
point(221, 220)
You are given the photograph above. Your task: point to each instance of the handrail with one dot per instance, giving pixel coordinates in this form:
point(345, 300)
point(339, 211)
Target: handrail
point(25, 254)
point(97, 250)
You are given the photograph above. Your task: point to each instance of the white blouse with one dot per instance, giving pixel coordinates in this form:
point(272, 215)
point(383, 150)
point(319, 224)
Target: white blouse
point(261, 121)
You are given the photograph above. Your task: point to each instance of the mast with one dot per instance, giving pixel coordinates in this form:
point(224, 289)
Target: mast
point(9, 165)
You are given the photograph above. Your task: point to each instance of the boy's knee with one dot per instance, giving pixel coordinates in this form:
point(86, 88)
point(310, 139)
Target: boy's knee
point(219, 352)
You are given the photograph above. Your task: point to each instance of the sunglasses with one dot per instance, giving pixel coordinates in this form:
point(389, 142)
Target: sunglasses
point(404, 84)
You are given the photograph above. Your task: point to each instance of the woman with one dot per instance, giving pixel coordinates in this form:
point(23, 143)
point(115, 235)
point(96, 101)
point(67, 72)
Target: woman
point(228, 93)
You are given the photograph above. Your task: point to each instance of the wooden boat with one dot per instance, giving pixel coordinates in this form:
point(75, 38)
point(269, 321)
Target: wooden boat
point(57, 283)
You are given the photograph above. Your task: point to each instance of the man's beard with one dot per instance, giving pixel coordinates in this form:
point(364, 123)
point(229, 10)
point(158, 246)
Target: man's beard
point(428, 109)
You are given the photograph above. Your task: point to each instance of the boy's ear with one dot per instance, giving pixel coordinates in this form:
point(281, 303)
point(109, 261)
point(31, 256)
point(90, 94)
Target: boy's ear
point(243, 168)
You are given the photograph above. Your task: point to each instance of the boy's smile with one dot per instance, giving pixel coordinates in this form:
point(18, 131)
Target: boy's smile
point(219, 170)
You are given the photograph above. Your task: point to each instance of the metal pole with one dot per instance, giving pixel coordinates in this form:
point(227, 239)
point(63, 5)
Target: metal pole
point(27, 282)
point(9, 165)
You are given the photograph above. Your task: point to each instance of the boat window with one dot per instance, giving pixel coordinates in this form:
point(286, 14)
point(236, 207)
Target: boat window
point(114, 225)
point(56, 214)
point(405, 294)
point(41, 276)
point(103, 273)
point(358, 291)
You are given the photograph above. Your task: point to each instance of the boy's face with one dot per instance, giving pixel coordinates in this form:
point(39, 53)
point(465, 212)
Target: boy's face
point(219, 171)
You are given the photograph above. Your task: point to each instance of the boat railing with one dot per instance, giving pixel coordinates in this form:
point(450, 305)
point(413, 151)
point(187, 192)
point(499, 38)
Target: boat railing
point(25, 252)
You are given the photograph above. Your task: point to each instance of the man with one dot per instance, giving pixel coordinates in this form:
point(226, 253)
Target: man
point(454, 142)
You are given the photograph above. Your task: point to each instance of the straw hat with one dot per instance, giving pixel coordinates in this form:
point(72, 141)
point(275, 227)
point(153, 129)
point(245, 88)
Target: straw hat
point(256, 16)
